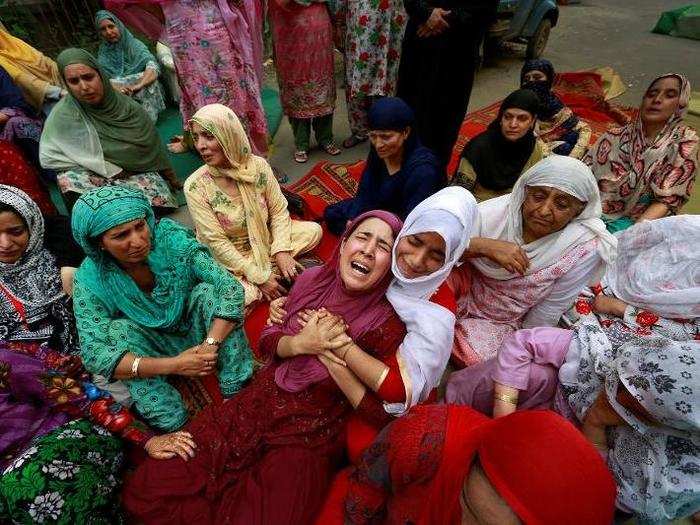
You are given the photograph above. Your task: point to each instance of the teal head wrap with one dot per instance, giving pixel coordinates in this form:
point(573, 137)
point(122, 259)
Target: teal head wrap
point(125, 57)
point(98, 210)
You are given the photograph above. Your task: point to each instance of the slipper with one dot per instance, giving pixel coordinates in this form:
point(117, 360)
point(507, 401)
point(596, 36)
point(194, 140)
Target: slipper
point(353, 140)
point(301, 156)
point(331, 149)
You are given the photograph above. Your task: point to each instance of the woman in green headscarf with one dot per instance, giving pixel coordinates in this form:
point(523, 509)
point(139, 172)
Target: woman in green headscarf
point(151, 302)
point(129, 64)
point(98, 137)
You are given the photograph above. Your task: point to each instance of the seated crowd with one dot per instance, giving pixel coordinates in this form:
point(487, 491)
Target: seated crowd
point(515, 342)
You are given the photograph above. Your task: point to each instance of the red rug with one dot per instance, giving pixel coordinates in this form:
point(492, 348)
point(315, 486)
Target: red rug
point(581, 91)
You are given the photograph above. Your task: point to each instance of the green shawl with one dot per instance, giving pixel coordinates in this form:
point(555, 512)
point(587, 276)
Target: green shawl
point(114, 135)
point(172, 251)
point(125, 57)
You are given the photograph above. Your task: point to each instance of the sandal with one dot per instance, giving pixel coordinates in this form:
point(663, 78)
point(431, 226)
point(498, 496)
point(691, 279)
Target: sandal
point(301, 156)
point(353, 140)
point(331, 149)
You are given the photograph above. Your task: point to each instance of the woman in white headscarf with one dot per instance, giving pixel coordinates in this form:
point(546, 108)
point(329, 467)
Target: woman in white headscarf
point(532, 252)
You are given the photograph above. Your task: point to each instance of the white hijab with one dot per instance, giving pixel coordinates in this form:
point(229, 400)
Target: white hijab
point(425, 350)
point(501, 218)
point(658, 266)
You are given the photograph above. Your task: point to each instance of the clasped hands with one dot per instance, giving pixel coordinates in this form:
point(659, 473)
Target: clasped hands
point(437, 23)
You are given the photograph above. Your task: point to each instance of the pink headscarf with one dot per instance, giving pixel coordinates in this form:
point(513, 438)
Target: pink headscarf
point(322, 287)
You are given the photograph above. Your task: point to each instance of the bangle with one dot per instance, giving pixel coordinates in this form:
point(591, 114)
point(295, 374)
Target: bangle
point(511, 399)
point(135, 367)
point(346, 353)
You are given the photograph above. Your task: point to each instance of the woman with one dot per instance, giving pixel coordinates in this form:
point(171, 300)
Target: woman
point(130, 66)
point(302, 36)
point(267, 455)
point(151, 302)
point(439, 56)
point(400, 171)
point(97, 137)
point(646, 169)
point(557, 125)
point(534, 250)
point(19, 122)
point(217, 47)
point(493, 161)
point(58, 460)
point(239, 211)
point(446, 465)
point(36, 75)
point(372, 52)
point(627, 372)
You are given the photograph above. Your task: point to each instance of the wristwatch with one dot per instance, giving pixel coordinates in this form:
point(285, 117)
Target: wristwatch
point(212, 342)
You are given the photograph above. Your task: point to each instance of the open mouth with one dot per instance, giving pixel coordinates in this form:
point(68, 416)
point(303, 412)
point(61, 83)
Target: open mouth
point(359, 268)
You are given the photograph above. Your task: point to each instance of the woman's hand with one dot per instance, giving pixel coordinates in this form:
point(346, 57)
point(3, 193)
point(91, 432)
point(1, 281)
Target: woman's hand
point(602, 414)
point(436, 23)
point(508, 255)
point(272, 289)
point(169, 445)
point(3, 118)
point(277, 312)
point(126, 90)
point(288, 267)
point(604, 304)
point(195, 362)
point(321, 335)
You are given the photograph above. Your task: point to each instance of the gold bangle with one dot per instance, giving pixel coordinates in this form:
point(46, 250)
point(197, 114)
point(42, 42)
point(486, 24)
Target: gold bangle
point(511, 399)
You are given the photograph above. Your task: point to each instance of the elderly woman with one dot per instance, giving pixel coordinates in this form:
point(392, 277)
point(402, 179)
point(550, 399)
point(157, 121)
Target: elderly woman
point(239, 211)
point(535, 249)
point(151, 302)
point(627, 372)
point(493, 160)
point(446, 465)
point(400, 171)
point(130, 66)
point(97, 137)
point(266, 456)
point(646, 169)
point(557, 125)
point(59, 460)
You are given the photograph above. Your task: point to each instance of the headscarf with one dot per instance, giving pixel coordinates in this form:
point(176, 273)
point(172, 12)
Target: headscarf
point(425, 350)
point(322, 286)
point(107, 138)
point(33, 72)
point(390, 113)
point(626, 165)
point(34, 279)
point(658, 267)
point(497, 161)
point(125, 57)
point(11, 96)
point(223, 123)
point(172, 249)
point(501, 218)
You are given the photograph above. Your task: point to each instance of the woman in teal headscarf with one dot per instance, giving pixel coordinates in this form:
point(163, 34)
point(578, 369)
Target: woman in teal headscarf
point(98, 137)
point(129, 64)
point(151, 302)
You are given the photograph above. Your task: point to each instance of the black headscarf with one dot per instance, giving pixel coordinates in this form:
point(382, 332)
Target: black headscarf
point(497, 161)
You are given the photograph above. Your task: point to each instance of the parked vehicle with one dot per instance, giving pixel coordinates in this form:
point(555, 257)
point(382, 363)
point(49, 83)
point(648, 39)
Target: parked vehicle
point(524, 21)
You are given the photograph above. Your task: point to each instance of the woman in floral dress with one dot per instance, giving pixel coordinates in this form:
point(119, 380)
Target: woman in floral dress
point(627, 373)
point(372, 53)
point(60, 456)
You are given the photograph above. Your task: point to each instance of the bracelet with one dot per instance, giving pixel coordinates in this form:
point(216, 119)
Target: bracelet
point(135, 367)
point(346, 353)
point(507, 398)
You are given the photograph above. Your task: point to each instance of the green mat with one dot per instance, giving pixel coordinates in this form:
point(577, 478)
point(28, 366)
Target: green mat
point(683, 22)
point(170, 124)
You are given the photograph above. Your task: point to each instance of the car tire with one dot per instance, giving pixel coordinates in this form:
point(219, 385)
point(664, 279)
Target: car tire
point(538, 42)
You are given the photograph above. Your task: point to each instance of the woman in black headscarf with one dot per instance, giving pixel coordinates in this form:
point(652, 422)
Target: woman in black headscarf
point(400, 171)
point(493, 160)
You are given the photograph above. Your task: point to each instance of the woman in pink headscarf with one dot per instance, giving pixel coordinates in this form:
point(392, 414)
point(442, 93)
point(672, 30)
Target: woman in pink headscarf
point(268, 455)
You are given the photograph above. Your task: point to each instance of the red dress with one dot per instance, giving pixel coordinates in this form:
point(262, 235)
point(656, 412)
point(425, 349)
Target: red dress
point(16, 171)
point(267, 456)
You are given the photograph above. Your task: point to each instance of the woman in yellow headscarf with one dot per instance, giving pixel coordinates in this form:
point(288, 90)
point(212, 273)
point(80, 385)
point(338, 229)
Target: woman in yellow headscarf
point(34, 73)
point(239, 210)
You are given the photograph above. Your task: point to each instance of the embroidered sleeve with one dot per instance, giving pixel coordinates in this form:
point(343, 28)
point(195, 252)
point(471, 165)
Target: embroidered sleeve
point(465, 175)
point(646, 323)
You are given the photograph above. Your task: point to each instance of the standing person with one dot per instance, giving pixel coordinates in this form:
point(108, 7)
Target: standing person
point(646, 169)
point(302, 35)
point(217, 49)
point(372, 52)
point(439, 57)
point(131, 67)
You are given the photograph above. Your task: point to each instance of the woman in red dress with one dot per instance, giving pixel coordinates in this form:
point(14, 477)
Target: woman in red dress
point(268, 455)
